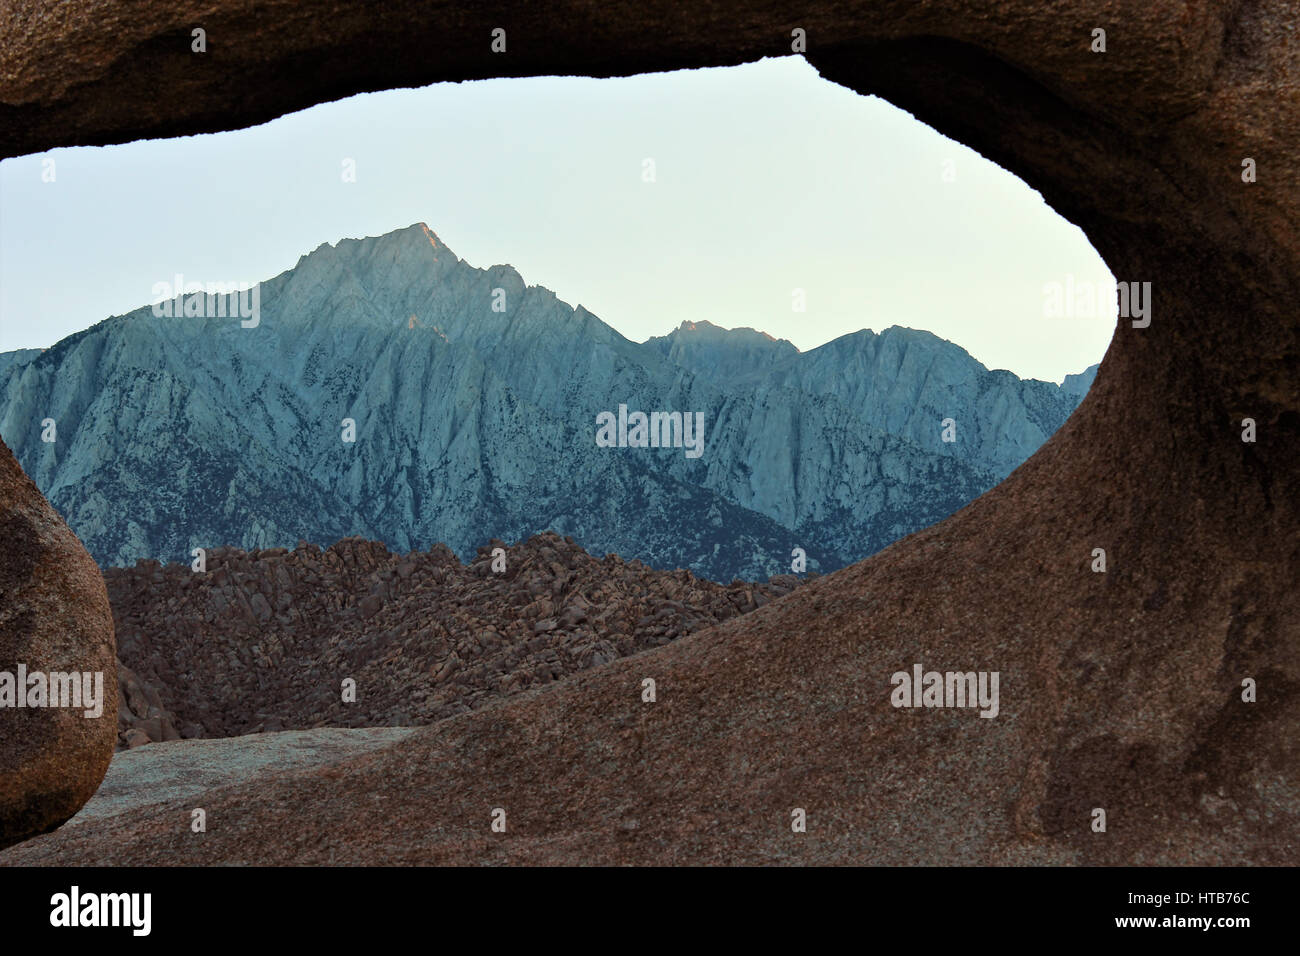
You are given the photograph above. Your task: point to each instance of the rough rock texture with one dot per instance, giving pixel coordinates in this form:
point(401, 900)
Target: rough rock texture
point(262, 641)
point(54, 619)
point(191, 769)
point(1120, 690)
point(141, 716)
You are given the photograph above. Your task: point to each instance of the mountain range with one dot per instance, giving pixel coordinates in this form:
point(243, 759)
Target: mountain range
point(473, 400)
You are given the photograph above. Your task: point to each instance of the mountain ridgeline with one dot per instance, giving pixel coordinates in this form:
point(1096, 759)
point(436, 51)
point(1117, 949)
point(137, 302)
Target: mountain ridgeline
point(474, 400)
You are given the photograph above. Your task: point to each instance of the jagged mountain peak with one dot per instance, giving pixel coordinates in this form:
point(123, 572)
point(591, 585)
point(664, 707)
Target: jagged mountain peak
point(706, 330)
point(417, 236)
point(475, 398)
point(1079, 383)
point(717, 352)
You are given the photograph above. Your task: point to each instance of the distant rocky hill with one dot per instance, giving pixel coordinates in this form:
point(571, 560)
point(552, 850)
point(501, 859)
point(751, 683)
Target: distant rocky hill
point(264, 640)
point(474, 400)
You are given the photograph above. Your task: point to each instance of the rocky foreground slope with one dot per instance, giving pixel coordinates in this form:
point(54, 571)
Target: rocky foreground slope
point(264, 640)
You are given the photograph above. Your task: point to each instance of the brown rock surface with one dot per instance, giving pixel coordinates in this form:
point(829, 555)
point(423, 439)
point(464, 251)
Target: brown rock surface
point(141, 716)
point(1119, 690)
point(189, 770)
point(54, 618)
point(423, 636)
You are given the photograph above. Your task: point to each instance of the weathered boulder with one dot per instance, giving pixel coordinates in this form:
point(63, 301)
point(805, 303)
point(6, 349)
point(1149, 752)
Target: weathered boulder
point(54, 620)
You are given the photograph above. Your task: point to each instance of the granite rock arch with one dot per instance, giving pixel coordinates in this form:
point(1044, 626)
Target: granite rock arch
point(1120, 689)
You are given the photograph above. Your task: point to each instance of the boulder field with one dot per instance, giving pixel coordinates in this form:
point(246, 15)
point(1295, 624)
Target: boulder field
point(265, 640)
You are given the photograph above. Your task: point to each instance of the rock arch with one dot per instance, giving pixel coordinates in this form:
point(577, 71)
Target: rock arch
point(1120, 690)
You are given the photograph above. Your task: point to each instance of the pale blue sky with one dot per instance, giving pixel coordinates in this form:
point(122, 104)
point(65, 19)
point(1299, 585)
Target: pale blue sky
point(768, 179)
